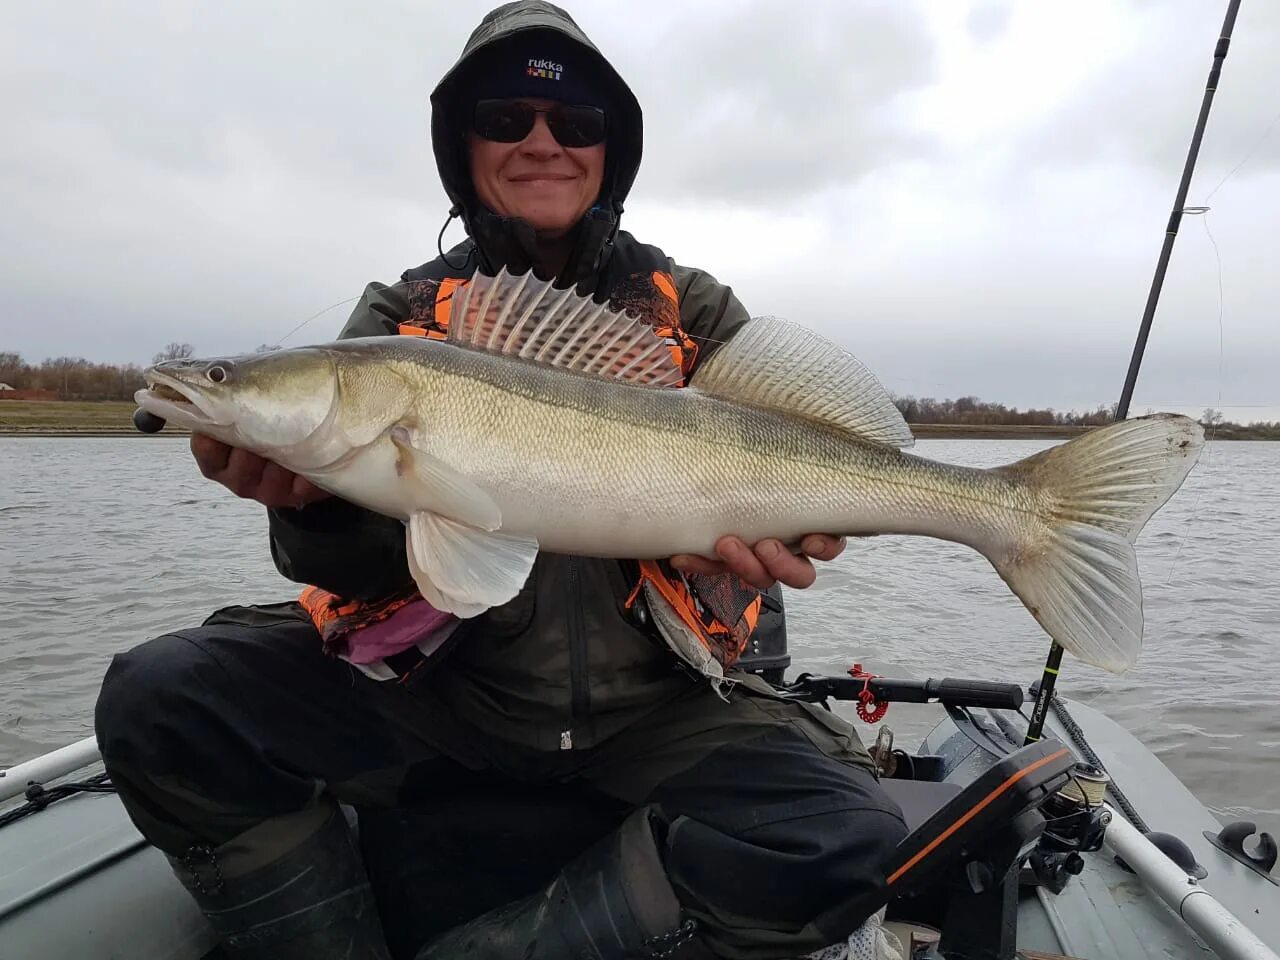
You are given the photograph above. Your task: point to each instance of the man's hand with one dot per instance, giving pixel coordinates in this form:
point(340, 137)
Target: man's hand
point(250, 476)
point(769, 562)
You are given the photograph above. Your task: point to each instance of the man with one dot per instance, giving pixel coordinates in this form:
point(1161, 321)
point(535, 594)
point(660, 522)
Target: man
point(742, 817)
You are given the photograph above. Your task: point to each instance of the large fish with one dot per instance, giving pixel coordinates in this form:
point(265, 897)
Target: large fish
point(547, 421)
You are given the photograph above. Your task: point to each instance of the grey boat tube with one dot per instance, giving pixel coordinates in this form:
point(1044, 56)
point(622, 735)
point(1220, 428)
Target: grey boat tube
point(15, 780)
point(1221, 930)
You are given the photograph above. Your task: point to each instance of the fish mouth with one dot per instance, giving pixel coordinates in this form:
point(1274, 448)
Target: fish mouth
point(166, 392)
point(175, 401)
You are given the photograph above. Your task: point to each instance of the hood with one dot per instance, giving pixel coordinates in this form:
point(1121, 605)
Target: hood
point(520, 22)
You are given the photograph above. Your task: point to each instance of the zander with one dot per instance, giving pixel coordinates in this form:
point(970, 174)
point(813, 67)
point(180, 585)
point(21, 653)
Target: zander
point(548, 421)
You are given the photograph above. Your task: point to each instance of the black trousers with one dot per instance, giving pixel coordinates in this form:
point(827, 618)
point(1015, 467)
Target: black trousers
point(241, 734)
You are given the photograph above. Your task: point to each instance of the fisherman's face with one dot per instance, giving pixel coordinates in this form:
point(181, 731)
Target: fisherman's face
point(537, 179)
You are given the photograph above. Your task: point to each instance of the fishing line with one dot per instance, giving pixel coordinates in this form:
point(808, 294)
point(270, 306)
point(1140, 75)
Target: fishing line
point(1248, 156)
point(341, 303)
point(315, 316)
point(1203, 213)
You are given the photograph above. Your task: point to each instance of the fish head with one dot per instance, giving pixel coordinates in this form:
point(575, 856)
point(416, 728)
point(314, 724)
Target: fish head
point(275, 404)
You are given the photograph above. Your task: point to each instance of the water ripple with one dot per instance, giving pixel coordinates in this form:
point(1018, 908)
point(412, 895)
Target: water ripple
point(105, 542)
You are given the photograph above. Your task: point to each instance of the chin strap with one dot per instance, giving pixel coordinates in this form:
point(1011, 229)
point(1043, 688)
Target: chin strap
point(593, 245)
point(454, 211)
point(512, 243)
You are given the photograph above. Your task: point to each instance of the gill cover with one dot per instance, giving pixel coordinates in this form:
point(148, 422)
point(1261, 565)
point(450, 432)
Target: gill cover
point(275, 404)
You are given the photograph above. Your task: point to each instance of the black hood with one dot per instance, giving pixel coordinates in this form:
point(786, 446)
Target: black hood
point(520, 22)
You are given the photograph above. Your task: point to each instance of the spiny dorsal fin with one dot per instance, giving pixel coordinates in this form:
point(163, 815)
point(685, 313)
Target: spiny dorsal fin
point(525, 317)
point(779, 365)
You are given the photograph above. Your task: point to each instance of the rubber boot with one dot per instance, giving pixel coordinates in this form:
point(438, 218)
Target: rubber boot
point(612, 903)
point(314, 902)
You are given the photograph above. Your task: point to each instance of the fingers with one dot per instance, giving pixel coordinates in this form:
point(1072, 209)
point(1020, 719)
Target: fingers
point(243, 473)
point(275, 486)
point(782, 566)
point(252, 477)
point(753, 566)
point(823, 547)
point(304, 492)
point(690, 563)
point(211, 455)
point(769, 562)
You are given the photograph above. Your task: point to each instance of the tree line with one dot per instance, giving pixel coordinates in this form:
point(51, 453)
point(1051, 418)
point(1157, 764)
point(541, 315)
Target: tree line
point(971, 411)
point(75, 378)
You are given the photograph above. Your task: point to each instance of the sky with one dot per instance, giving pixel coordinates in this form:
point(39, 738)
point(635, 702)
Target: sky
point(969, 195)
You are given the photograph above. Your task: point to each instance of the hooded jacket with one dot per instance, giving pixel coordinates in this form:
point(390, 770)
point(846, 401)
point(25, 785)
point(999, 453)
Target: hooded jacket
point(508, 34)
point(562, 665)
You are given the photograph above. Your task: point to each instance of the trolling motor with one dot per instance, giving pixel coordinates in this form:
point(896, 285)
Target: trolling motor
point(1076, 821)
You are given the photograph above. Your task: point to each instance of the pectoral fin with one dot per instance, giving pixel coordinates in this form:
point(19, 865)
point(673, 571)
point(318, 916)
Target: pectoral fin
point(464, 570)
point(441, 489)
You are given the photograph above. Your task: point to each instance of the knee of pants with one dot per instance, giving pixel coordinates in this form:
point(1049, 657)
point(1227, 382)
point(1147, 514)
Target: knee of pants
point(152, 695)
point(787, 871)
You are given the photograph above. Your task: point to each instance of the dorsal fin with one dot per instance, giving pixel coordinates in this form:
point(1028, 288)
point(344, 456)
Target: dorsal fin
point(525, 317)
point(781, 366)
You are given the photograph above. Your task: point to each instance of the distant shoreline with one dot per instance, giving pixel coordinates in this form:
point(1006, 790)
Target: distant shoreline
point(107, 418)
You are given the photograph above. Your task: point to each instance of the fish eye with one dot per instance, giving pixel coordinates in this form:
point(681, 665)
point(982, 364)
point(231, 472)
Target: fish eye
point(216, 374)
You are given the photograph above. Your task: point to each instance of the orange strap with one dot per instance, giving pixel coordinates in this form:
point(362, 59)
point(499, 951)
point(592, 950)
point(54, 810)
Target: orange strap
point(684, 351)
point(666, 285)
point(444, 299)
point(333, 616)
point(729, 640)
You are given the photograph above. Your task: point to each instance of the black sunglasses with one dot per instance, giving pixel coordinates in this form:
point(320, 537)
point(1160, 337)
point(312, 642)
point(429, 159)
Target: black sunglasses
point(509, 121)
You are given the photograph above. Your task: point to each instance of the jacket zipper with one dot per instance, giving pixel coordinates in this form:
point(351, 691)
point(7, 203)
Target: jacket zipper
point(579, 691)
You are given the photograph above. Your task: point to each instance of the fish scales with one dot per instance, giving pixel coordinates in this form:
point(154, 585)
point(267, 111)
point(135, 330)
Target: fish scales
point(570, 438)
point(669, 470)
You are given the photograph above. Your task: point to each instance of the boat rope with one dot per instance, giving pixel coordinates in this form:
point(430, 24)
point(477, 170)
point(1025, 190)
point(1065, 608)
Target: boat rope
point(1082, 744)
point(39, 796)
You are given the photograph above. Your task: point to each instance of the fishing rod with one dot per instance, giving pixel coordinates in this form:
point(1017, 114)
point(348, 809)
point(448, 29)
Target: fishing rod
point(1049, 678)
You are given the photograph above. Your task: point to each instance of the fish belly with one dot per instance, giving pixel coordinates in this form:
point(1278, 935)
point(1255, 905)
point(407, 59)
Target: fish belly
point(628, 472)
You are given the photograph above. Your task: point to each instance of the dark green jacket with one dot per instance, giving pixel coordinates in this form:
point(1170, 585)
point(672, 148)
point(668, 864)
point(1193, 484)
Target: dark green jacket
point(562, 665)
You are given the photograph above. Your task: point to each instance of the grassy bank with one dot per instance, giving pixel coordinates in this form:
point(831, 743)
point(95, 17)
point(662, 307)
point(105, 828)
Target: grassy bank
point(56, 418)
point(992, 431)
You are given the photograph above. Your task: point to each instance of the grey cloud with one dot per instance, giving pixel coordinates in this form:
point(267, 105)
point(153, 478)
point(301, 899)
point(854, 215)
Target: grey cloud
point(988, 19)
point(1143, 110)
point(240, 165)
point(755, 109)
point(329, 89)
point(230, 168)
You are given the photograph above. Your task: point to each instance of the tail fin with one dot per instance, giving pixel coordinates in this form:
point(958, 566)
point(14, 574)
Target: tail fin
point(1078, 572)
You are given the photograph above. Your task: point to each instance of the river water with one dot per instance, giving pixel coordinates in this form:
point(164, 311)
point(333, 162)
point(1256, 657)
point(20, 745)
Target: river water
point(105, 542)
